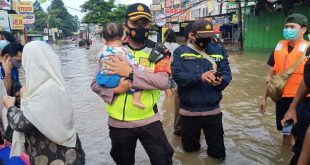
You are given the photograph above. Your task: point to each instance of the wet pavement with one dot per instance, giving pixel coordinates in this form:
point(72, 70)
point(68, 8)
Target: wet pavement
point(250, 138)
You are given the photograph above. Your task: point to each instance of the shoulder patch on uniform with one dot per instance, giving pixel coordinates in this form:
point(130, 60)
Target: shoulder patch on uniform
point(302, 47)
point(279, 46)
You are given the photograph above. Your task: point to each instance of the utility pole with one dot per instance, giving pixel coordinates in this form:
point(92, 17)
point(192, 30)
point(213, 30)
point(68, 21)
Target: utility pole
point(240, 24)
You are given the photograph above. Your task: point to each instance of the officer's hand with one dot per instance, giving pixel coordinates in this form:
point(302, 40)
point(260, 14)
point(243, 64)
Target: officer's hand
point(289, 115)
point(208, 76)
point(123, 86)
point(118, 66)
point(217, 81)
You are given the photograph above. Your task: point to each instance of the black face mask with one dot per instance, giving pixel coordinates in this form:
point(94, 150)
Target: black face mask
point(202, 42)
point(138, 34)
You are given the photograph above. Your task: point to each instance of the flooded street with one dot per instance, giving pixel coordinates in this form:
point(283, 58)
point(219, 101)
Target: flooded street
point(250, 138)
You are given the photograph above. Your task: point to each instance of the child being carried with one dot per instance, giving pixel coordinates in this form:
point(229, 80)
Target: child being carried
point(113, 34)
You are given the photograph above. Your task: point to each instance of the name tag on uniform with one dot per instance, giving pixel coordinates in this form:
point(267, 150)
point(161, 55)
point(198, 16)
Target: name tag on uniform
point(189, 58)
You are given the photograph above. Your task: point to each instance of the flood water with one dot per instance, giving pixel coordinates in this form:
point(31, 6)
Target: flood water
point(250, 138)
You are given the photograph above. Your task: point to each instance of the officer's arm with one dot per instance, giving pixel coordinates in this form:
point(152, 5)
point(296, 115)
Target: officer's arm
point(180, 76)
point(107, 94)
point(149, 81)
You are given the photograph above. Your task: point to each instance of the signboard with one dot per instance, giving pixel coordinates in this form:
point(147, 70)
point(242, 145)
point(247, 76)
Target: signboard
point(176, 27)
point(54, 30)
point(170, 11)
point(4, 21)
point(17, 21)
point(25, 7)
point(168, 3)
point(155, 7)
point(29, 19)
point(3, 4)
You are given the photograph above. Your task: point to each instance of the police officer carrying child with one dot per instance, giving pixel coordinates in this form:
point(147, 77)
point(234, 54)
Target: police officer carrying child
point(128, 123)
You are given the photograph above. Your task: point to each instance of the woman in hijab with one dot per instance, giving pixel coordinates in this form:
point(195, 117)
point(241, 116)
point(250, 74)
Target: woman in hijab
point(45, 119)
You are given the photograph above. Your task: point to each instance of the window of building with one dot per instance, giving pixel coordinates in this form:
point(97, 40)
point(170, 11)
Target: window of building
point(195, 13)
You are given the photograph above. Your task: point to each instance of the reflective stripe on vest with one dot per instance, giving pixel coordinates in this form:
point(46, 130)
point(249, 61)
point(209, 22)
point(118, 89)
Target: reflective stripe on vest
point(122, 107)
point(284, 60)
point(217, 56)
point(200, 56)
point(191, 55)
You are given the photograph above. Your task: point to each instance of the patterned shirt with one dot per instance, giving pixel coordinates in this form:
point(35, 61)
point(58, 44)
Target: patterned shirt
point(41, 149)
point(107, 51)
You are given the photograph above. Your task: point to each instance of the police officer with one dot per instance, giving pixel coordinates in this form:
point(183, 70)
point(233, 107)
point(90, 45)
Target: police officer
point(200, 83)
point(129, 123)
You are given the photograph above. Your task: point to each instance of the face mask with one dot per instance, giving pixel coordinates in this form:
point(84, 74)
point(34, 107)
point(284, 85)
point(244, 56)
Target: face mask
point(217, 35)
point(3, 43)
point(290, 34)
point(16, 64)
point(138, 34)
point(202, 42)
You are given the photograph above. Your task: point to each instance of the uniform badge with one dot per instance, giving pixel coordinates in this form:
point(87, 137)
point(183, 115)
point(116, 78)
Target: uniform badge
point(145, 62)
point(208, 27)
point(140, 8)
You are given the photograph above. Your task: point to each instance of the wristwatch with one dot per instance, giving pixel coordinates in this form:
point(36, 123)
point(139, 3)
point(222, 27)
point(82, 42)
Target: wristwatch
point(130, 76)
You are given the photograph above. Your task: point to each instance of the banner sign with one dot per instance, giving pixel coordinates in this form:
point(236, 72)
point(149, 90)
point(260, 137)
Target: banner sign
point(25, 7)
point(4, 21)
point(170, 11)
point(17, 22)
point(4, 4)
point(29, 18)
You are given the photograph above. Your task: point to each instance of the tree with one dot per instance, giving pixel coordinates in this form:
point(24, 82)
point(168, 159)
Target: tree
point(40, 17)
point(59, 17)
point(101, 11)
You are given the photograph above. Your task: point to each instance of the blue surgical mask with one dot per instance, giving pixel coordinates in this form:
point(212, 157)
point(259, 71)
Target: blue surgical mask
point(3, 43)
point(290, 34)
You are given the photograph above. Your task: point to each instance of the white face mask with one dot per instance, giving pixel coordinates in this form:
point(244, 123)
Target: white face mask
point(217, 35)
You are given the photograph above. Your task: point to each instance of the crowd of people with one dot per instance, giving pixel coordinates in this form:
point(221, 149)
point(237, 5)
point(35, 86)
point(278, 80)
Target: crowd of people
point(130, 78)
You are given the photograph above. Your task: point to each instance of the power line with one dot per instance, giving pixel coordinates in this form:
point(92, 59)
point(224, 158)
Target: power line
point(74, 9)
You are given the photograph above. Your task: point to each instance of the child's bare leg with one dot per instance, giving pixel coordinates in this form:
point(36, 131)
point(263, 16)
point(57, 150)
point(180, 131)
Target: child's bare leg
point(136, 100)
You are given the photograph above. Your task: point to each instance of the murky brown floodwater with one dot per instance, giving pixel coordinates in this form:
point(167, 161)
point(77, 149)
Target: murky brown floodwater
point(250, 138)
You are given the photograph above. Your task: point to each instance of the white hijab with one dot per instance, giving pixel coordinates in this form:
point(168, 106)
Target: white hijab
point(46, 102)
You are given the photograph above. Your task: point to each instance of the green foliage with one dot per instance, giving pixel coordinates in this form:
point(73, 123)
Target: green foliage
point(32, 32)
point(59, 17)
point(101, 11)
point(40, 17)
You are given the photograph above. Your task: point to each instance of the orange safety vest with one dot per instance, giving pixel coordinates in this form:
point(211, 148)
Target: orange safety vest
point(284, 60)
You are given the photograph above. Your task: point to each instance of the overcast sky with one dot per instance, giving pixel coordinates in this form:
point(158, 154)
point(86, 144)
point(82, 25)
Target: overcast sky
point(77, 3)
